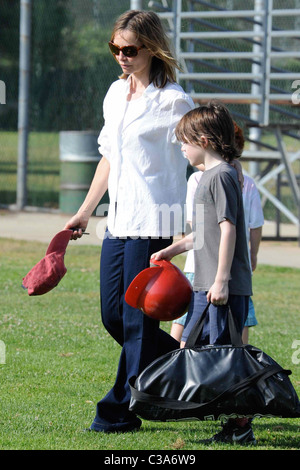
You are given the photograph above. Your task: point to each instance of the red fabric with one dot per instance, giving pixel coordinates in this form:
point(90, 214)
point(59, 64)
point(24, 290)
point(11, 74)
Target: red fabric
point(48, 272)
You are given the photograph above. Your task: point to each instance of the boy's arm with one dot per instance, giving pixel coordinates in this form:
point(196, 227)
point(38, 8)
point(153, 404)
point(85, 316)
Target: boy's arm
point(218, 293)
point(185, 244)
point(255, 238)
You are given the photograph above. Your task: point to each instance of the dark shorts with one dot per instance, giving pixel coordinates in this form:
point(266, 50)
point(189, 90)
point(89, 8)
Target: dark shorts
point(216, 329)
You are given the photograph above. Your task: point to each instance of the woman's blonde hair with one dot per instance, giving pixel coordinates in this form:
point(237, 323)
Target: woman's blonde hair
point(149, 30)
point(216, 124)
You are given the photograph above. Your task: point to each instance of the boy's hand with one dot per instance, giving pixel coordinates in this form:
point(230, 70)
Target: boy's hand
point(162, 254)
point(218, 293)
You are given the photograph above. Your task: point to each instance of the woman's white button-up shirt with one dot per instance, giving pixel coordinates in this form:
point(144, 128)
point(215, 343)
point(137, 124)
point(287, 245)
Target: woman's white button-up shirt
point(147, 180)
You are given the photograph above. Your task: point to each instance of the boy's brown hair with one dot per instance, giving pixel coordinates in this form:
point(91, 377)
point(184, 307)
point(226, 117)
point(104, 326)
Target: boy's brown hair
point(216, 124)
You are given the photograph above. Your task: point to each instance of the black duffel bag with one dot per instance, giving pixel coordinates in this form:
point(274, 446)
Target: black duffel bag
point(213, 383)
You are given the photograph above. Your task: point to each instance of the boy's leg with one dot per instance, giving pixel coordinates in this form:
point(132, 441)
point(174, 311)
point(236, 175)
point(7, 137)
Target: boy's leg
point(238, 430)
point(216, 331)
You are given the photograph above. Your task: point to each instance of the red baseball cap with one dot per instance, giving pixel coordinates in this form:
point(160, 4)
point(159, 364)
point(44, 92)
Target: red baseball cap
point(162, 292)
point(48, 272)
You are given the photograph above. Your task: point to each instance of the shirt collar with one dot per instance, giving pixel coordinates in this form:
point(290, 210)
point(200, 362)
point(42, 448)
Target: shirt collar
point(150, 92)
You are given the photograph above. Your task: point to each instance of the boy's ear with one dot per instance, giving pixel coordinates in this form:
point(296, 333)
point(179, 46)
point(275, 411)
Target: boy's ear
point(204, 141)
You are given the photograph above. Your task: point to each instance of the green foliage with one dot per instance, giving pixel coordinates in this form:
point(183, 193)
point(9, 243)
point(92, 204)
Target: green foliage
point(71, 67)
point(9, 31)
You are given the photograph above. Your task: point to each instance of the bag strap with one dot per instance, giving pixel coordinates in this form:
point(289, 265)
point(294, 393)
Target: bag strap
point(235, 336)
point(234, 390)
point(197, 329)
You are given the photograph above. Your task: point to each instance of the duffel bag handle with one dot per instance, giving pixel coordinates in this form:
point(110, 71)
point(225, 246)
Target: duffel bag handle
point(195, 334)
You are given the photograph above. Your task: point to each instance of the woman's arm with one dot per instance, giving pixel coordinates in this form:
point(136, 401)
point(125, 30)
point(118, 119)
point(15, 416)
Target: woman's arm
point(96, 192)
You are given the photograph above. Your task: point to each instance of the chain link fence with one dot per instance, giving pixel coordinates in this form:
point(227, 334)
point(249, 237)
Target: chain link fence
point(71, 70)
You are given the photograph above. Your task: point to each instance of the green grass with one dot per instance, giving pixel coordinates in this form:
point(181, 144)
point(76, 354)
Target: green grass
point(43, 168)
point(60, 361)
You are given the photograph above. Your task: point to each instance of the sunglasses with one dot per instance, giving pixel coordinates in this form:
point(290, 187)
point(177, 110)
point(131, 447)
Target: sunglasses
point(127, 51)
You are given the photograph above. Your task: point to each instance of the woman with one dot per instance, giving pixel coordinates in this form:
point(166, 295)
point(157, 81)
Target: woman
point(144, 170)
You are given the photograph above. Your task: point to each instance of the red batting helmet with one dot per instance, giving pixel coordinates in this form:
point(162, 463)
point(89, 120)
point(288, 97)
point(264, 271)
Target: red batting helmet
point(162, 292)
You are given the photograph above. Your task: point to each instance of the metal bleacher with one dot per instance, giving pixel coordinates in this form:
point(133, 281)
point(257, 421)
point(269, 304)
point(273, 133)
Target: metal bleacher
point(247, 55)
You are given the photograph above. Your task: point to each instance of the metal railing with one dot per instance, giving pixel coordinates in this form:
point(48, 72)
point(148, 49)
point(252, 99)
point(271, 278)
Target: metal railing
point(237, 56)
point(261, 36)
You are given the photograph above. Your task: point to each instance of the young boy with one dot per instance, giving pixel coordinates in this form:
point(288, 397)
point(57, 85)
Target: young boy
point(222, 271)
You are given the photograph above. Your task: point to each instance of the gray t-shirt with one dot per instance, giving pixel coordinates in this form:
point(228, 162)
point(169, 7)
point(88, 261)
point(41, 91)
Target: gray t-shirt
point(218, 197)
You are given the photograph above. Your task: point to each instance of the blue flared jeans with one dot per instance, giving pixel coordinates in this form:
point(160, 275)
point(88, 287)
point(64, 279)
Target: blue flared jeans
point(141, 338)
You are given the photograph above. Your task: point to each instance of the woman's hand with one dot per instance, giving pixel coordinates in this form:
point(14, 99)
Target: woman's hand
point(79, 222)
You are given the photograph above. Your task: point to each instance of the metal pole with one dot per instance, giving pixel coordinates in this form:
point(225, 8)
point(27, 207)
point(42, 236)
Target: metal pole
point(23, 106)
point(177, 8)
point(255, 132)
point(136, 4)
point(265, 109)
